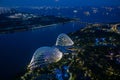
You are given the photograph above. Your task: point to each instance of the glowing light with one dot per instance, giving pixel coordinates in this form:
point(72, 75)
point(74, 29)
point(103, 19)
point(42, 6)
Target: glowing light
point(44, 56)
point(75, 11)
point(64, 40)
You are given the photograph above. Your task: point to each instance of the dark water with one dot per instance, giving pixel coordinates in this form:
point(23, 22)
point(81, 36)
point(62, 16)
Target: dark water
point(16, 49)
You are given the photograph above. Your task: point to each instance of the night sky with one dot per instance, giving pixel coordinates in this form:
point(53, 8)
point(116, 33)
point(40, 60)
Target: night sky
point(12, 3)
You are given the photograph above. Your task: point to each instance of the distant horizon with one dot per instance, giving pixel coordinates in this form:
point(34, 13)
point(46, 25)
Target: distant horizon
point(59, 6)
point(57, 3)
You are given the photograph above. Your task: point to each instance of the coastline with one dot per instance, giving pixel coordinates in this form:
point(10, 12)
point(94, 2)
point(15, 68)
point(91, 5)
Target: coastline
point(31, 27)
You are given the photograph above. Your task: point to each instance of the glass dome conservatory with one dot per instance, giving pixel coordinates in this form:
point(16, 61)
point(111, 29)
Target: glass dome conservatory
point(64, 40)
point(44, 56)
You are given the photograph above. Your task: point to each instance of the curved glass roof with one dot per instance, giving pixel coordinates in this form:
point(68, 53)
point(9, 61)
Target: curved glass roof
point(64, 40)
point(44, 56)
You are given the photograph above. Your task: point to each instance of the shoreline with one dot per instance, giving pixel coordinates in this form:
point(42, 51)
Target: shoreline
point(32, 27)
